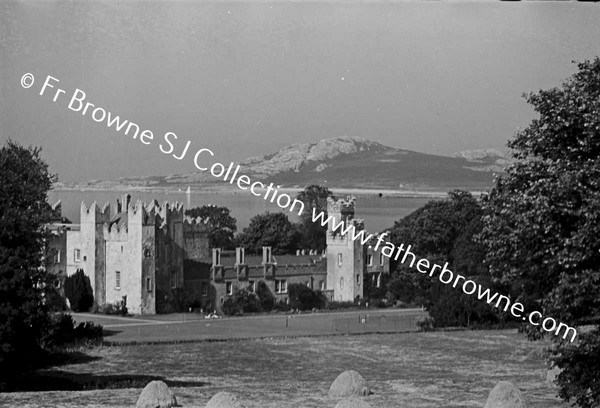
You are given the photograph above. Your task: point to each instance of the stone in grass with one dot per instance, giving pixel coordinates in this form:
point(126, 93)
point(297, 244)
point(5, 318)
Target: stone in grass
point(552, 374)
point(353, 402)
point(224, 400)
point(349, 383)
point(505, 395)
point(156, 395)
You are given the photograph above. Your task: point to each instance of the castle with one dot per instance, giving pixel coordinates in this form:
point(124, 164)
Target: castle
point(159, 260)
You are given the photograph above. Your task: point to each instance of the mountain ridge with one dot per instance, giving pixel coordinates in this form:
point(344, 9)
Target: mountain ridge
point(350, 162)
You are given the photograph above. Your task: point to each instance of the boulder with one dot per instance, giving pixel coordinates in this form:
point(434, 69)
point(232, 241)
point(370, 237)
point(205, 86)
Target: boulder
point(505, 395)
point(349, 383)
point(353, 402)
point(552, 374)
point(156, 395)
point(224, 400)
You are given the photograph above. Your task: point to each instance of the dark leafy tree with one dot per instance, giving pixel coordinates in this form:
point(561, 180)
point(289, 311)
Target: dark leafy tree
point(78, 290)
point(24, 212)
point(304, 298)
point(270, 229)
point(442, 231)
point(314, 235)
point(222, 226)
point(242, 301)
point(266, 297)
point(542, 222)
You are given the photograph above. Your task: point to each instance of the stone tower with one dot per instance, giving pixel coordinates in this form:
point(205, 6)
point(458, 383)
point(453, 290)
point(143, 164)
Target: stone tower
point(345, 257)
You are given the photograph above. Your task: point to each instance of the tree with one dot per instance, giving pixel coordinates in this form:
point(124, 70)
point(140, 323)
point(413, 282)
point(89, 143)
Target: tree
point(78, 290)
point(304, 298)
point(442, 231)
point(270, 229)
point(314, 235)
point(24, 212)
point(222, 226)
point(542, 222)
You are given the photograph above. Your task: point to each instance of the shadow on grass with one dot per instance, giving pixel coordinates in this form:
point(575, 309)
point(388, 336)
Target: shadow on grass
point(108, 333)
point(55, 380)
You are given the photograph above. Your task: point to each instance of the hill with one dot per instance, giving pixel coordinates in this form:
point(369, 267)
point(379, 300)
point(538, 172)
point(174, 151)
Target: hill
point(352, 162)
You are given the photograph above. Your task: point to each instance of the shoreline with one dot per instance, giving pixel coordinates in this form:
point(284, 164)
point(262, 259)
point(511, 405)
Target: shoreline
point(354, 191)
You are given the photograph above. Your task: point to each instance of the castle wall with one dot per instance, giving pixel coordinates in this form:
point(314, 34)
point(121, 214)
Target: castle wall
point(169, 261)
point(195, 235)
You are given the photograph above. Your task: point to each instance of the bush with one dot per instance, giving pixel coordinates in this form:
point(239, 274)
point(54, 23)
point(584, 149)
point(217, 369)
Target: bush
point(425, 324)
point(62, 331)
point(334, 305)
point(78, 290)
point(267, 300)
point(242, 301)
point(117, 308)
point(304, 298)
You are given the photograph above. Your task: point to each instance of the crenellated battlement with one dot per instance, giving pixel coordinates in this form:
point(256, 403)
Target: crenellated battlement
point(94, 213)
point(344, 207)
point(195, 224)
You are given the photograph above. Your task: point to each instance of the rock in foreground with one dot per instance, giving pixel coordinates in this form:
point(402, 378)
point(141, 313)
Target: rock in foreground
point(156, 395)
point(349, 383)
point(224, 400)
point(505, 395)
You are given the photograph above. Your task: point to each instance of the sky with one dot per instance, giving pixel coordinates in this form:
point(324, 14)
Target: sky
point(248, 78)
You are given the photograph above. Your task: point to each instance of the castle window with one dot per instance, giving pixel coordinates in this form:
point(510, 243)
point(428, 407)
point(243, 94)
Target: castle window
point(378, 280)
point(370, 260)
point(340, 259)
point(229, 288)
point(117, 280)
point(204, 289)
point(77, 255)
point(252, 286)
point(148, 285)
point(341, 283)
point(121, 248)
point(173, 279)
point(358, 280)
point(147, 253)
point(380, 259)
point(322, 284)
point(280, 286)
point(57, 258)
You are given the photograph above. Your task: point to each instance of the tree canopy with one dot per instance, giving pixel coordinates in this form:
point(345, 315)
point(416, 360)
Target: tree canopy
point(270, 229)
point(222, 226)
point(24, 212)
point(442, 231)
point(542, 222)
point(314, 235)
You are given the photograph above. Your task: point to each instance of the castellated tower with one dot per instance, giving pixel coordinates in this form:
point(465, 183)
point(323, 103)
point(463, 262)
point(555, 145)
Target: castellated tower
point(345, 257)
point(85, 248)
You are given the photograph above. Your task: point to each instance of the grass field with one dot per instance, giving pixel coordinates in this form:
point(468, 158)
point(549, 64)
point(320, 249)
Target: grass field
point(410, 370)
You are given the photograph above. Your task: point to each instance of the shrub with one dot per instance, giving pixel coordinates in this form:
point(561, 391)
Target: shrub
point(267, 300)
point(242, 301)
point(78, 290)
point(62, 331)
point(425, 324)
point(117, 308)
point(304, 298)
point(335, 305)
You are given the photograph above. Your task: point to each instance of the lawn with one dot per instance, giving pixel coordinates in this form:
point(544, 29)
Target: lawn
point(410, 370)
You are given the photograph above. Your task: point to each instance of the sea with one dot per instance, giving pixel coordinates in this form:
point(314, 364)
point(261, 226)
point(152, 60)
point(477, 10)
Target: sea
point(379, 213)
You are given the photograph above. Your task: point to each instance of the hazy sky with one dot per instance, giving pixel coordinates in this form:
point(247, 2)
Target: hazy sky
point(248, 78)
